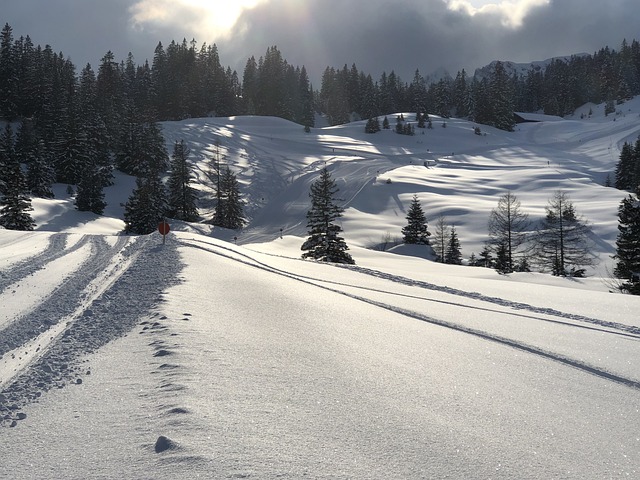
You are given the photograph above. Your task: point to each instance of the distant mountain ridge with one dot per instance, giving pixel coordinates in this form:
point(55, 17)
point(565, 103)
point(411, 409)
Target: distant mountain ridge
point(522, 68)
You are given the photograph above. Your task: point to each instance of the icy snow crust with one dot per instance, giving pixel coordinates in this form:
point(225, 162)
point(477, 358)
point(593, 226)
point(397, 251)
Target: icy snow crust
point(252, 363)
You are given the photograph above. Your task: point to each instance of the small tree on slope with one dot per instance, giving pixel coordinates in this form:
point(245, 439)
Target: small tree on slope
point(324, 243)
point(562, 241)
point(182, 197)
point(416, 232)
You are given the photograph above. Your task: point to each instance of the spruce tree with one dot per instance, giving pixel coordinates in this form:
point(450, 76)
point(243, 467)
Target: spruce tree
point(182, 197)
point(453, 255)
point(90, 193)
point(324, 242)
point(230, 209)
point(40, 173)
point(146, 207)
point(625, 167)
point(416, 231)
point(15, 204)
point(628, 243)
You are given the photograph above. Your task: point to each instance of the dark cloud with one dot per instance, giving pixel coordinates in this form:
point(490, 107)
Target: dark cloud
point(382, 35)
point(376, 35)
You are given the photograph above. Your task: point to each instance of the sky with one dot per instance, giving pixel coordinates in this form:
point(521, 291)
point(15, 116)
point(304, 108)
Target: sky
point(376, 35)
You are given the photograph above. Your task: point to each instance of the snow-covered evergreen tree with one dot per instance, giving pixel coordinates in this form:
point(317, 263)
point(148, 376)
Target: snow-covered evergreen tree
point(453, 255)
point(15, 204)
point(182, 197)
point(324, 242)
point(90, 192)
point(230, 208)
point(147, 205)
point(416, 230)
point(628, 243)
point(40, 173)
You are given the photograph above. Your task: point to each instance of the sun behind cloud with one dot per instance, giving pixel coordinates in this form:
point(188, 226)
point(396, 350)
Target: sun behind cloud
point(511, 12)
point(205, 18)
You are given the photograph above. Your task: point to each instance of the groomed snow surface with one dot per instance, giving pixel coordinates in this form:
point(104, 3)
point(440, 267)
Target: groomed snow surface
point(205, 357)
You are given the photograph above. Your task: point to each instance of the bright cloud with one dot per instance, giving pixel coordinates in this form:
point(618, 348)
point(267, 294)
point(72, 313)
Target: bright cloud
point(511, 12)
point(206, 18)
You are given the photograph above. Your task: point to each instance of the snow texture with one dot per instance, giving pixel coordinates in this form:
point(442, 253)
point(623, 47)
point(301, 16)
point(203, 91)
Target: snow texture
point(214, 357)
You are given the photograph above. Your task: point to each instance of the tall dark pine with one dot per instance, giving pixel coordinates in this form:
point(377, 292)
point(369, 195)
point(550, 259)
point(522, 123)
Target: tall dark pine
point(90, 193)
point(501, 93)
point(324, 242)
point(626, 167)
point(628, 243)
point(40, 173)
point(147, 205)
point(15, 204)
point(416, 231)
point(229, 210)
point(562, 241)
point(182, 197)
point(453, 255)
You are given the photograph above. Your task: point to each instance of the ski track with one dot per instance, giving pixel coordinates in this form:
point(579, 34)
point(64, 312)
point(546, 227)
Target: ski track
point(513, 343)
point(55, 249)
point(93, 321)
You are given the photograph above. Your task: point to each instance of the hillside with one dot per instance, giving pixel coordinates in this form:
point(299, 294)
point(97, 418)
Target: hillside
point(454, 173)
point(123, 357)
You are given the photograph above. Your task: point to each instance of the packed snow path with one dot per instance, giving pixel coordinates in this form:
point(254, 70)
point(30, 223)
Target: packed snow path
point(88, 308)
point(260, 366)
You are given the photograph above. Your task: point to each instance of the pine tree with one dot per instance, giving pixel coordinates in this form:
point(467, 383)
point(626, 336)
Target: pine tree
point(182, 197)
point(561, 242)
point(324, 242)
point(372, 126)
point(40, 173)
point(7, 156)
point(15, 205)
point(416, 231)
point(502, 263)
point(507, 228)
point(146, 207)
point(90, 193)
point(453, 255)
point(628, 243)
point(625, 167)
point(485, 259)
point(229, 210)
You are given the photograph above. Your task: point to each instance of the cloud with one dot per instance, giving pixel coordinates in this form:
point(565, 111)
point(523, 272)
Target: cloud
point(381, 35)
point(511, 13)
point(376, 35)
point(203, 18)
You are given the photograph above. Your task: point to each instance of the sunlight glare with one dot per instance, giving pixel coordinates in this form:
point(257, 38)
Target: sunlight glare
point(204, 17)
point(511, 12)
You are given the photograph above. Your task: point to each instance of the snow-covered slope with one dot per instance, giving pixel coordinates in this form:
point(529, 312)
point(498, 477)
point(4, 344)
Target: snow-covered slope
point(253, 363)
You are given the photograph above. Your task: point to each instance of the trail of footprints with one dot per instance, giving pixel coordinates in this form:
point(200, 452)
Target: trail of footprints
point(167, 370)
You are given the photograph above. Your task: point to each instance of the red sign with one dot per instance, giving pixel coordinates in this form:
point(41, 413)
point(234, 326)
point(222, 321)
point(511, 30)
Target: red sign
point(163, 228)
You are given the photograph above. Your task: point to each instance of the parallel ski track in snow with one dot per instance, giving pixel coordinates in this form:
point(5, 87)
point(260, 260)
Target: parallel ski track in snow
point(94, 314)
point(64, 299)
point(513, 343)
point(55, 249)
